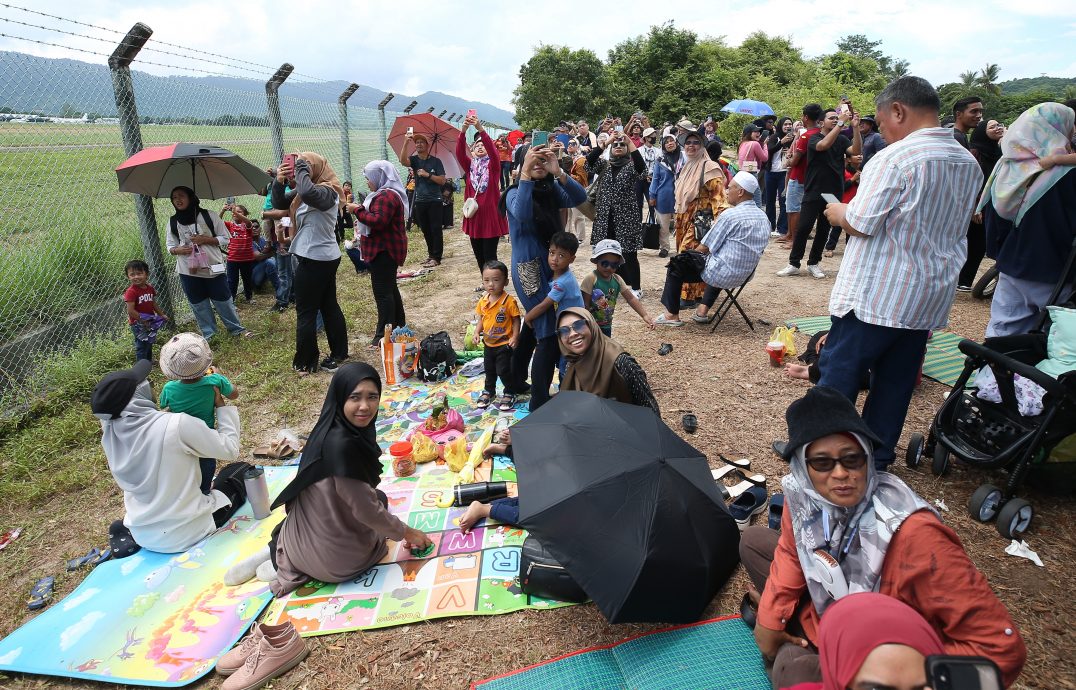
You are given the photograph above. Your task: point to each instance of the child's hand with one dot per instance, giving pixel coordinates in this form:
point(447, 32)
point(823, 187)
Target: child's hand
point(513, 340)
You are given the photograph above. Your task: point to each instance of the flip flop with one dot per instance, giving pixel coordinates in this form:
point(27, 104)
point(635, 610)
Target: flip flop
point(720, 472)
point(748, 481)
point(40, 593)
point(690, 422)
point(743, 463)
point(665, 349)
point(277, 450)
point(777, 509)
point(76, 563)
point(100, 558)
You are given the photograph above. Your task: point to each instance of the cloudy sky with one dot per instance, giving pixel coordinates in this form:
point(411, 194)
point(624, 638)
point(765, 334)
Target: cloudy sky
point(474, 50)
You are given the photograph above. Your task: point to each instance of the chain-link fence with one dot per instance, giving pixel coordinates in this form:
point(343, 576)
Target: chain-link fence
point(65, 228)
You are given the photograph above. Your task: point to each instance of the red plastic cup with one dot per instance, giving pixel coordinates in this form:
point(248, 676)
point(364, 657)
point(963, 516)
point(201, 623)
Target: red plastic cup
point(776, 350)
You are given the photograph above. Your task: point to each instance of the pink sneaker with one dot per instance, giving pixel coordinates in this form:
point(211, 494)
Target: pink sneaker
point(235, 657)
point(268, 651)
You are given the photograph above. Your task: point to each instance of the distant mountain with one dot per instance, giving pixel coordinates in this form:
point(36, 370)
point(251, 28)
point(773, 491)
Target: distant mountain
point(51, 85)
point(1052, 85)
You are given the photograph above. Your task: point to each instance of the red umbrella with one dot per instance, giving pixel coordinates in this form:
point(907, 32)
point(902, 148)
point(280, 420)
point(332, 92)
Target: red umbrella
point(441, 135)
point(212, 172)
point(514, 136)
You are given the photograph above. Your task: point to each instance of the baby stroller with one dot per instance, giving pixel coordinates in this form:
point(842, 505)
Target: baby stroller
point(995, 435)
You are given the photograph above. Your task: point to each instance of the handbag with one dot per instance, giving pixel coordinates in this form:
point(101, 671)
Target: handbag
point(589, 207)
point(702, 219)
point(687, 265)
point(651, 232)
point(541, 575)
point(470, 207)
point(750, 166)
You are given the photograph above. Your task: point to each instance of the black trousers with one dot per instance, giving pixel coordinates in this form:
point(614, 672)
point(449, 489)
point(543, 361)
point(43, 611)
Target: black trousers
point(235, 269)
point(670, 294)
point(390, 308)
point(315, 290)
point(810, 212)
point(485, 249)
point(976, 252)
point(428, 217)
point(498, 362)
point(629, 270)
point(546, 355)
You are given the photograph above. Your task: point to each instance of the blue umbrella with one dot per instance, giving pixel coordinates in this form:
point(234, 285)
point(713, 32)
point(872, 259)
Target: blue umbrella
point(745, 106)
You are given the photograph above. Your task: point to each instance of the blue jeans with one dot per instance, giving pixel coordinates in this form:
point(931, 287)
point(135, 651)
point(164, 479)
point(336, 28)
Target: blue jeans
point(143, 350)
point(505, 510)
point(285, 272)
point(207, 294)
point(1017, 305)
point(775, 191)
point(356, 258)
point(265, 271)
point(892, 355)
point(546, 357)
point(757, 196)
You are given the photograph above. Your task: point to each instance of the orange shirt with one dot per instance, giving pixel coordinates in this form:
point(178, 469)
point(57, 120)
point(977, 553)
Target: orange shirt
point(497, 319)
point(927, 568)
point(504, 150)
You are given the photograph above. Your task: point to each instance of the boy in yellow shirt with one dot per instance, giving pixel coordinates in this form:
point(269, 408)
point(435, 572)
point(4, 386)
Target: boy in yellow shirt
point(498, 326)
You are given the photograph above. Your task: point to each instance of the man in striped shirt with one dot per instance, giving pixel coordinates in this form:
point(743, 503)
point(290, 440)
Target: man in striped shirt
point(907, 227)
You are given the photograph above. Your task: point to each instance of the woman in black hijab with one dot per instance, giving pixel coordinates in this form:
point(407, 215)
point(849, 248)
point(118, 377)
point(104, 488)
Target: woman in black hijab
point(337, 521)
point(198, 239)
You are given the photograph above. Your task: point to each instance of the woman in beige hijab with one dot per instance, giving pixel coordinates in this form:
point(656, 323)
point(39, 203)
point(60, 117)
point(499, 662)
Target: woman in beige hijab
point(700, 185)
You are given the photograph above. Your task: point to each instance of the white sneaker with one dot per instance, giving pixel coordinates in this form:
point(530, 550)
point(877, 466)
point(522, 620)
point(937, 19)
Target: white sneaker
point(815, 270)
point(638, 294)
point(789, 270)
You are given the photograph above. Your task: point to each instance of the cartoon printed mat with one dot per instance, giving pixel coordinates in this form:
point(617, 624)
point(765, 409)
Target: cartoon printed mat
point(152, 618)
point(720, 653)
point(466, 575)
point(943, 362)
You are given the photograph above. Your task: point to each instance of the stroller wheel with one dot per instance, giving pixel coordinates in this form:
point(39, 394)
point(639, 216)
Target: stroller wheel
point(1014, 518)
point(914, 455)
point(940, 464)
point(984, 503)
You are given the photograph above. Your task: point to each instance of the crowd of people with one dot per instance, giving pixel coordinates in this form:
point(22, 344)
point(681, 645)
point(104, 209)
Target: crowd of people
point(918, 203)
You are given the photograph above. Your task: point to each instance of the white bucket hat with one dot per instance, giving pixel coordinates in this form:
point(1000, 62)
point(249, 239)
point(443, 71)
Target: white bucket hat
point(185, 356)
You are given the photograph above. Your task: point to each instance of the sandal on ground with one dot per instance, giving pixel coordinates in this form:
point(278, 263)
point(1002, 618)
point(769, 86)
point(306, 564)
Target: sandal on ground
point(734, 492)
point(720, 472)
point(690, 422)
point(484, 400)
point(743, 463)
point(277, 450)
point(40, 593)
point(662, 321)
point(776, 511)
point(100, 558)
point(76, 563)
point(506, 403)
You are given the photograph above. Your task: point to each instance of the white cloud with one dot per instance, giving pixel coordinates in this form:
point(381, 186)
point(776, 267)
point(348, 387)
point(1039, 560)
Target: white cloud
point(11, 656)
point(79, 599)
point(74, 633)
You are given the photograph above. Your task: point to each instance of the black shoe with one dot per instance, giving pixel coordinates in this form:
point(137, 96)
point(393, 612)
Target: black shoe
point(663, 253)
point(329, 364)
point(779, 447)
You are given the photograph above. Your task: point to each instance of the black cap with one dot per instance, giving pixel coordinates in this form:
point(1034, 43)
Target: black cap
point(822, 412)
point(115, 390)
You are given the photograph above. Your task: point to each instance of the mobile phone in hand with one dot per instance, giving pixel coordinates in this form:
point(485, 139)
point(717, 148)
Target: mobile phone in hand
point(472, 113)
point(539, 138)
point(289, 159)
point(619, 128)
point(230, 200)
point(830, 199)
point(962, 673)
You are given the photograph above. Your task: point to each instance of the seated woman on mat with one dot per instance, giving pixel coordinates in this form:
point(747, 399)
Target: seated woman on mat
point(869, 640)
point(337, 521)
point(154, 458)
point(848, 528)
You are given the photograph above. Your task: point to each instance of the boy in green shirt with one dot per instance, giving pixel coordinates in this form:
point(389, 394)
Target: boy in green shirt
point(185, 360)
point(603, 287)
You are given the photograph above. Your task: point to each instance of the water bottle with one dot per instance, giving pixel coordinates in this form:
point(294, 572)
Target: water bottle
point(257, 492)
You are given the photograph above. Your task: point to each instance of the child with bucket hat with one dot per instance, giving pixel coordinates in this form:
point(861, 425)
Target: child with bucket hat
point(192, 388)
point(603, 287)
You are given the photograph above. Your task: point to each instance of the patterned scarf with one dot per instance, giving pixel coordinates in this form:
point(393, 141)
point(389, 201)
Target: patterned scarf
point(1018, 181)
point(856, 538)
point(480, 174)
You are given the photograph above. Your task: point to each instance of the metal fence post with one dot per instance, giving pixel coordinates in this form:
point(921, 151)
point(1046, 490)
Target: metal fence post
point(345, 144)
point(381, 125)
point(123, 88)
point(276, 127)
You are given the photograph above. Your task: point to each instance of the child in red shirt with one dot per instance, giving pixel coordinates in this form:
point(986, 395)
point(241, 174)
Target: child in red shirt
point(143, 314)
point(240, 251)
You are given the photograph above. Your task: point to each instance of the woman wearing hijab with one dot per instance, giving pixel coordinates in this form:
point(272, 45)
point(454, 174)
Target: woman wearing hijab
point(313, 209)
point(598, 364)
point(849, 528)
point(617, 214)
point(533, 207)
point(480, 170)
point(196, 237)
point(662, 188)
point(380, 232)
point(984, 146)
point(869, 640)
point(337, 521)
point(1027, 213)
point(153, 456)
point(700, 185)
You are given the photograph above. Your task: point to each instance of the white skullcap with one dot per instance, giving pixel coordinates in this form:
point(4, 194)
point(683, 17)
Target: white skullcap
point(747, 181)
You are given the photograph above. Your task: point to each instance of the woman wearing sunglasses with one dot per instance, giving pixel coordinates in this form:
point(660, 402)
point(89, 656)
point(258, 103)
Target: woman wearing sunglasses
point(598, 364)
point(848, 528)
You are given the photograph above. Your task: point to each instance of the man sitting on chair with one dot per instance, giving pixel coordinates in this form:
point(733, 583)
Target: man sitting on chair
point(731, 252)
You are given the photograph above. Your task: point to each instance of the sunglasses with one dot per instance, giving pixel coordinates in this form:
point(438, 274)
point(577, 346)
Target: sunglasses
point(692, 143)
point(610, 264)
point(579, 326)
point(852, 461)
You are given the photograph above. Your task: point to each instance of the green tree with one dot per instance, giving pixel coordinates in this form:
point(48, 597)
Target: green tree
point(558, 83)
point(969, 79)
point(988, 78)
point(638, 66)
point(860, 46)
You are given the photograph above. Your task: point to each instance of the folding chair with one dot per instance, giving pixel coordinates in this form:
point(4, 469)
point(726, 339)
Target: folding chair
point(729, 302)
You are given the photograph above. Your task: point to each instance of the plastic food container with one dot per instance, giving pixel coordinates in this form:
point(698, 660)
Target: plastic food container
point(776, 351)
point(403, 462)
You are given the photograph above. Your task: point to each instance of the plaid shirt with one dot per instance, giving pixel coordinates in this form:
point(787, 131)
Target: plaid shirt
point(385, 218)
point(736, 242)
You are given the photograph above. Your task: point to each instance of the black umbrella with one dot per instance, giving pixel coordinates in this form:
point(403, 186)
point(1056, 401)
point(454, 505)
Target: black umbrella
point(627, 506)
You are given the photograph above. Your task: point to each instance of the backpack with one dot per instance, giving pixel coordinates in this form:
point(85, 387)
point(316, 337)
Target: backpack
point(436, 358)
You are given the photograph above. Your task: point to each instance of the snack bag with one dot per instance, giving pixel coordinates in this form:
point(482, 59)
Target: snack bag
point(456, 453)
point(425, 450)
point(785, 335)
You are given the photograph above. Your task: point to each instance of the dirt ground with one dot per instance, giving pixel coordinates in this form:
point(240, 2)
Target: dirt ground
point(725, 379)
